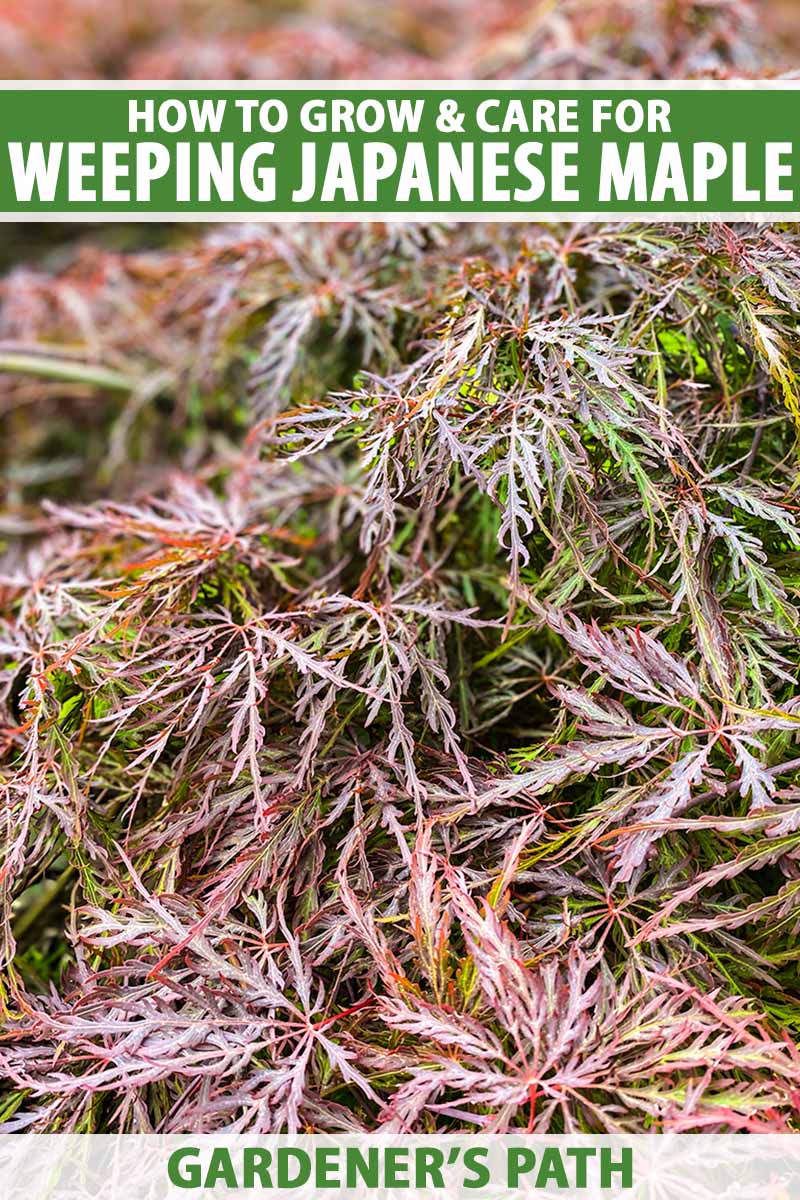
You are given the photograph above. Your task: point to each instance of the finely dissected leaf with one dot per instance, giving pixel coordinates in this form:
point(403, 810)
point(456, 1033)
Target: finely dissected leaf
point(399, 632)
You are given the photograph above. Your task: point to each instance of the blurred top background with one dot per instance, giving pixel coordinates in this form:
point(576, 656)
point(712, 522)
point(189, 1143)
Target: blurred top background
point(416, 39)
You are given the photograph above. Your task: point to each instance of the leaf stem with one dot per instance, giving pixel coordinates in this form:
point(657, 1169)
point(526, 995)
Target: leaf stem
point(67, 370)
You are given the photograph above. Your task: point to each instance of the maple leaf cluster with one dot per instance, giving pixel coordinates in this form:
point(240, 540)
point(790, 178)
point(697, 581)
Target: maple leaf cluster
point(399, 631)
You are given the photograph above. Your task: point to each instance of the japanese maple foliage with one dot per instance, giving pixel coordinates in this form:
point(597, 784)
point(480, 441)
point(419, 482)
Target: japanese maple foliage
point(399, 643)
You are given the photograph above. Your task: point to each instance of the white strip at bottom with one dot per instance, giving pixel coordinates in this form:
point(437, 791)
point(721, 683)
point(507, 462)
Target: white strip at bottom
point(145, 1167)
